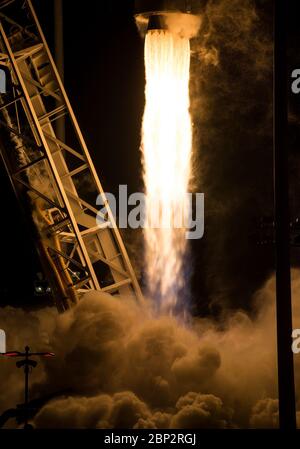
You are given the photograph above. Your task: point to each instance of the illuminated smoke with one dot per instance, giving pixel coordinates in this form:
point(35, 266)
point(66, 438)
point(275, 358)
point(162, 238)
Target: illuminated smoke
point(166, 147)
point(122, 367)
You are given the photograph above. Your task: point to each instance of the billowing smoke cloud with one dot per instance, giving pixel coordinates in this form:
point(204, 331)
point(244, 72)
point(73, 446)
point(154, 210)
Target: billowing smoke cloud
point(184, 25)
point(117, 365)
point(265, 415)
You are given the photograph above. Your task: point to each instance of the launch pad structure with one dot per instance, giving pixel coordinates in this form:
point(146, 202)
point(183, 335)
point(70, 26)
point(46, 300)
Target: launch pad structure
point(55, 180)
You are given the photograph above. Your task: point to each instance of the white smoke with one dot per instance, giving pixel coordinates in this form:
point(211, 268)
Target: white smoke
point(120, 366)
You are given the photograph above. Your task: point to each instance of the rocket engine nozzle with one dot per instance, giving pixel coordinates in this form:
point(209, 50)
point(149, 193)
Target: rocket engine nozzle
point(156, 22)
point(156, 14)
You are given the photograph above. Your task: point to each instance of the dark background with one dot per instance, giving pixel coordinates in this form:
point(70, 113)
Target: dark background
point(104, 78)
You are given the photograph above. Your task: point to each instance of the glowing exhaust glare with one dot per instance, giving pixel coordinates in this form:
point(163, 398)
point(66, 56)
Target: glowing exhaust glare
point(166, 146)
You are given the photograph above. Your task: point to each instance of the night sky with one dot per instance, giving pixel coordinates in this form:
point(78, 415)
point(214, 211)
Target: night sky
point(104, 78)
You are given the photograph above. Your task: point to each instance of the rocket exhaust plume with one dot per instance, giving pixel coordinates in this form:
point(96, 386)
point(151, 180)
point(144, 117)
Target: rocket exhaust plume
point(166, 147)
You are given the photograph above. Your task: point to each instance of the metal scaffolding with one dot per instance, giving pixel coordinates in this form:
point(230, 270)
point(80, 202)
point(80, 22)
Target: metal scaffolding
point(55, 180)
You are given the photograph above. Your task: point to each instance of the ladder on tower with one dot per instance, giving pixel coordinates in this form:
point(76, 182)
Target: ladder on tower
point(55, 181)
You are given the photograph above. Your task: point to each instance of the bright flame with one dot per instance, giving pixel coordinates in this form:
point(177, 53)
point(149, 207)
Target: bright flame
point(166, 146)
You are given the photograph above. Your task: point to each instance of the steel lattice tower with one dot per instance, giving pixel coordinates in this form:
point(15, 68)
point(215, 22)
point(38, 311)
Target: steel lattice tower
point(50, 176)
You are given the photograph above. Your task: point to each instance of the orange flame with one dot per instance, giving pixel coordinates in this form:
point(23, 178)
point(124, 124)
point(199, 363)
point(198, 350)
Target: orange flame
point(166, 147)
